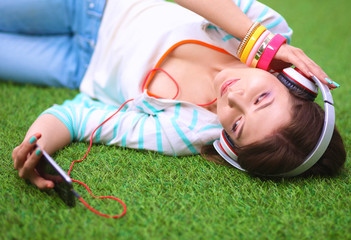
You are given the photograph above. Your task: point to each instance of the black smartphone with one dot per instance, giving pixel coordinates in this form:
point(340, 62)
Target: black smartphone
point(50, 170)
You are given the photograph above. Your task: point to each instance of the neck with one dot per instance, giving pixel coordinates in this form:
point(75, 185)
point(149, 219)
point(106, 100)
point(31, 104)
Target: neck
point(194, 68)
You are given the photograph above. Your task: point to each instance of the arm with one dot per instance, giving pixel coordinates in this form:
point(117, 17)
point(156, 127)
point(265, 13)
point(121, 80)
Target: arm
point(51, 135)
point(54, 134)
point(147, 123)
point(223, 13)
point(228, 16)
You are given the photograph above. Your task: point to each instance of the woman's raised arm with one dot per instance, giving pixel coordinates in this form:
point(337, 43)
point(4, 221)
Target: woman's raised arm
point(228, 16)
point(223, 13)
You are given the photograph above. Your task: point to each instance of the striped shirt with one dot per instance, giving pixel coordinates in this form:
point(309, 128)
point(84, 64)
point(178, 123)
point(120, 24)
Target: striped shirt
point(135, 36)
point(166, 126)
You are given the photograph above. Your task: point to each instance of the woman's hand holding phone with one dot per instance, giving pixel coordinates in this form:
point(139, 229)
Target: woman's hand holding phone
point(25, 158)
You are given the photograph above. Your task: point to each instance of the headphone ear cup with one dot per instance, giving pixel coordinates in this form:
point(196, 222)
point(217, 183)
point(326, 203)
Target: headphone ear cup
point(225, 148)
point(228, 146)
point(295, 86)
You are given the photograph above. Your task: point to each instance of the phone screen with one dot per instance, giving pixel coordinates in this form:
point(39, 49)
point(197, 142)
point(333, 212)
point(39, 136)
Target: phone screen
point(50, 170)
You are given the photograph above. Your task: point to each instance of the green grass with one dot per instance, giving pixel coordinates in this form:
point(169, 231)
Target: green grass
point(184, 198)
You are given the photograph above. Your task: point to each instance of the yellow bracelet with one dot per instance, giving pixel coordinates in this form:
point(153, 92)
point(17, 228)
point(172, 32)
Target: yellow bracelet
point(255, 36)
point(247, 36)
point(261, 49)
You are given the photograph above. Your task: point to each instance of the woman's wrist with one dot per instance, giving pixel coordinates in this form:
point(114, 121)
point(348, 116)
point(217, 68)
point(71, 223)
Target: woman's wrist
point(259, 47)
point(255, 54)
point(251, 42)
point(244, 41)
point(269, 52)
point(54, 134)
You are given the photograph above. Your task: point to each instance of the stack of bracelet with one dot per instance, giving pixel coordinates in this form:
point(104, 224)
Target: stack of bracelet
point(259, 47)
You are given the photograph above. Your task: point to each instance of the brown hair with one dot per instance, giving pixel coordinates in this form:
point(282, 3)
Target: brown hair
point(288, 147)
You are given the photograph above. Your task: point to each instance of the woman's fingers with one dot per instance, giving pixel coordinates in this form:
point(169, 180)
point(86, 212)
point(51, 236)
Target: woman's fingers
point(29, 164)
point(26, 157)
point(23, 152)
point(309, 67)
point(297, 57)
point(40, 182)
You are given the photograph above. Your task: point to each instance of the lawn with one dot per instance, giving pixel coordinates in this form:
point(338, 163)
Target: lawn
point(188, 197)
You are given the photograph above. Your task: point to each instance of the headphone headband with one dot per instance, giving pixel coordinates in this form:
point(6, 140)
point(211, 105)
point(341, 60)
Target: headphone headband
point(326, 135)
point(223, 145)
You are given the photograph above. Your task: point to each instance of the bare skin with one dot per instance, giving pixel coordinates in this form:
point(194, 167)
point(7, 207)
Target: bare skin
point(201, 72)
point(251, 104)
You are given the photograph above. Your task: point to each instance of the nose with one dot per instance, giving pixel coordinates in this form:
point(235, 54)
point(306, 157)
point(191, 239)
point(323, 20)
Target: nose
point(236, 98)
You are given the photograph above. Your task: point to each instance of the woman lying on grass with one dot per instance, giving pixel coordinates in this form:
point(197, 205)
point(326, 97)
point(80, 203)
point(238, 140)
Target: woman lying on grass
point(186, 80)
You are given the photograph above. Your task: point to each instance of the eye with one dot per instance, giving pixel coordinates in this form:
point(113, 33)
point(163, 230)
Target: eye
point(235, 126)
point(262, 96)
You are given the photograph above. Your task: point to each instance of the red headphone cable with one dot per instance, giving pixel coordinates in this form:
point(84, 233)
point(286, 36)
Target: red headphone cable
point(176, 84)
point(101, 197)
point(91, 142)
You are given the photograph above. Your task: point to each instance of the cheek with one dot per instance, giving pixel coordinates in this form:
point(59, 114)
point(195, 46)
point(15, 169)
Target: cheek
point(225, 115)
point(221, 114)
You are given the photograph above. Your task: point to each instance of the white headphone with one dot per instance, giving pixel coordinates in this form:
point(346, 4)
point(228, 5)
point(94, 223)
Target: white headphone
point(293, 79)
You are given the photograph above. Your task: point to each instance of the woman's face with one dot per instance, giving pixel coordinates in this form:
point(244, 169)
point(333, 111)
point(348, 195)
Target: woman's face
point(251, 104)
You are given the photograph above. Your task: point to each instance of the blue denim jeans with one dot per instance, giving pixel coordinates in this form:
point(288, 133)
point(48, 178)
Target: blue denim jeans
point(48, 42)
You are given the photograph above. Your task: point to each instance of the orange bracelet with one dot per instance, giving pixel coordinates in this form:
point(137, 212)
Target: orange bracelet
point(251, 42)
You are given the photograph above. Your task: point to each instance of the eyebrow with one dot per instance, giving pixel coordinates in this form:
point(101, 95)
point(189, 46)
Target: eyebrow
point(257, 109)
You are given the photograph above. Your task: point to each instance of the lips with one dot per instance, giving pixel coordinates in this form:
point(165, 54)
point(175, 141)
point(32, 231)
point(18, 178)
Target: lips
point(227, 84)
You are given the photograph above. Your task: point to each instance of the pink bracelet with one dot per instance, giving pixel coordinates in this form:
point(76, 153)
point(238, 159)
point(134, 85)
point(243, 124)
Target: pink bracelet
point(270, 51)
point(255, 48)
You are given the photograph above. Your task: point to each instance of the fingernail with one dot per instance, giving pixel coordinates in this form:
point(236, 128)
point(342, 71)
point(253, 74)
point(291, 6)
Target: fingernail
point(38, 152)
point(37, 135)
point(336, 84)
point(32, 140)
point(328, 80)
